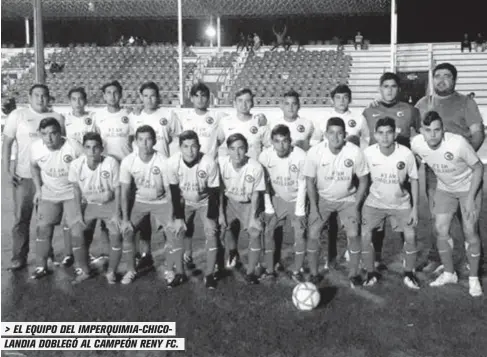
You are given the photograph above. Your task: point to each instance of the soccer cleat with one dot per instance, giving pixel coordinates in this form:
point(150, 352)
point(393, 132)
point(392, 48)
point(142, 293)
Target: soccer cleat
point(252, 279)
point(52, 262)
point(111, 277)
point(268, 276)
point(39, 273)
point(355, 281)
point(188, 260)
point(129, 277)
point(380, 265)
point(474, 287)
point(68, 261)
point(81, 276)
point(445, 278)
point(279, 266)
point(17, 265)
point(411, 281)
point(144, 264)
point(178, 280)
point(371, 279)
point(210, 282)
point(233, 259)
point(297, 276)
point(315, 279)
point(91, 258)
point(169, 275)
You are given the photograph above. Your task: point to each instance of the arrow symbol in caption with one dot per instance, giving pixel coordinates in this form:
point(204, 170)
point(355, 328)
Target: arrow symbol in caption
point(7, 329)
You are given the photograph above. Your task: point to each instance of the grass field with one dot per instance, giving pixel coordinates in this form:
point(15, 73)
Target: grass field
point(387, 320)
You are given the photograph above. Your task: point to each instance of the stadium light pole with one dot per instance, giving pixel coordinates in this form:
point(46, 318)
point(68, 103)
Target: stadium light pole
point(393, 35)
point(39, 42)
point(180, 44)
point(27, 32)
point(218, 33)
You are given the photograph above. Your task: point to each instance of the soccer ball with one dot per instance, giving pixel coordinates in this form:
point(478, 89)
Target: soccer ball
point(306, 296)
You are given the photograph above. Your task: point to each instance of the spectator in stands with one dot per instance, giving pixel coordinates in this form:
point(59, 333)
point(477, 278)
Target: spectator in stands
point(471, 95)
point(250, 43)
point(279, 37)
point(466, 43)
point(241, 41)
point(55, 68)
point(131, 41)
point(479, 43)
point(288, 43)
point(359, 41)
point(257, 42)
point(8, 105)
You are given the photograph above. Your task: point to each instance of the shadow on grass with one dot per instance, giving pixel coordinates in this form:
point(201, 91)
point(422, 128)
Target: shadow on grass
point(327, 293)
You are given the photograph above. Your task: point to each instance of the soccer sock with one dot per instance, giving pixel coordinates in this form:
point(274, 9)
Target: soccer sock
point(128, 250)
point(105, 239)
point(43, 245)
point(473, 257)
point(378, 241)
point(80, 254)
point(354, 261)
point(299, 260)
point(68, 247)
point(254, 255)
point(211, 257)
point(269, 260)
point(445, 246)
point(410, 261)
point(115, 253)
point(188, 246)
point(177, 260)
point(368, 255)
point(313, 262)
point(230, 241)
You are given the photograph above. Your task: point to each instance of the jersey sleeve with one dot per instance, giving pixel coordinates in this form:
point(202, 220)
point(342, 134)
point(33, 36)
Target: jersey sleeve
point(73, 176)
point(310, 164)
point(125, 175)
point(115, 173)
point(174, 128)
point(361, 168)
point(213, 175)
point(172, 170)
point(10, 128)
point(472, 113)
point(364, 131)
point(259, 184)
point(178, 125)
point(35, 151)
point(412, 167)
point(467, 153)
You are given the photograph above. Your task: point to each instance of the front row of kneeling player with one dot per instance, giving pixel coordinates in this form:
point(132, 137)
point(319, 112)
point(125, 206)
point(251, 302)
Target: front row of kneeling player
point(334, 175)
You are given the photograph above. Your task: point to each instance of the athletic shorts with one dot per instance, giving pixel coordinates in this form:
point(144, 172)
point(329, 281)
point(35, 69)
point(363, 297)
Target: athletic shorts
point(446, 202)
point(161, 213)
point(284, 210)
point(346, 212)
point(51, 212)
point(242, 212)
point(103, 212)
point(373, 217)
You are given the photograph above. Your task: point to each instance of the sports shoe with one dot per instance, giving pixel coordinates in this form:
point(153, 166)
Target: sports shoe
point(445, 278)
point(51, 261)
point(178, 280)
point(39, 273)
point(111, 277)
point(129, 277)
point(188, 260)
point(315, 279)
point(68, 260)
point(233, 259)
point(429, 267)
point(380, 265)
point(355, 281)
point(474, 287)
point(411, 281)
point(252, 279)
point(210, 282)
point(17, 265)
point(279, 266)
point(371, 279)
point(81, 276)
point(91, 258)
point(144, 264)
point(268, 276)
point(297, 276)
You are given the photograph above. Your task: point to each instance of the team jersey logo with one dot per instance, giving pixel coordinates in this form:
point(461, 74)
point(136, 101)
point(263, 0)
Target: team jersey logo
point(156, 170)
point(300, 128)
point(254, 130)
point(210, 120)
point(88, 121)
point(293, 168)
point(401, 165)
point(352, 123)
point(67, 158)
point(125, 120)
point(348, 163)
point(249, 178)
point(105, 174)
point(400, 114)
point(201, 174)
point(261, 119)
point(449, 156)
point(163, 121)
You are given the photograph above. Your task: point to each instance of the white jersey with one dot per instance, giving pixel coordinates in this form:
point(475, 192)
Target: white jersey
point(355, 124)
point(451, 162)
point(115, 131)
point(194, 181)
point(54, 167)
point(240, 185)
point(164, 124)
point(255, 130)
point(206, 126)
point(302, 130)
point(77, 127)
point(284, 173)
point(334, 173)
point(22, 125)
point(98, 185)
point(150, 177)
point(388, 175)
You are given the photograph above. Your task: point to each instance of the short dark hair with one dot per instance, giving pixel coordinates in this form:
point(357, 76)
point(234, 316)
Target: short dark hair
point(79, 90)
point(188, 135)
point(292, 93)
point(335, 121)
point(390, 76)
point(115, 84)
point(447, 66)
point(150, 85)
point(50, 122)
point(341, 89)
point(91, 135)
point(243, 91)
point(387, 121)
point(146, 129)
point(430, 117)
point(199, 87)
point(236, 137)
point(39, 85)
point(282, 130)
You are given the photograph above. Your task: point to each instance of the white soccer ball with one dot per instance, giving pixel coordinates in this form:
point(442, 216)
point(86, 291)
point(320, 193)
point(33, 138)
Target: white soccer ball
point(306, 296)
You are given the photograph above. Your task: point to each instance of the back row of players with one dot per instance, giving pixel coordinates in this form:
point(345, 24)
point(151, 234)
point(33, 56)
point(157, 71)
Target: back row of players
point(115, 166)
